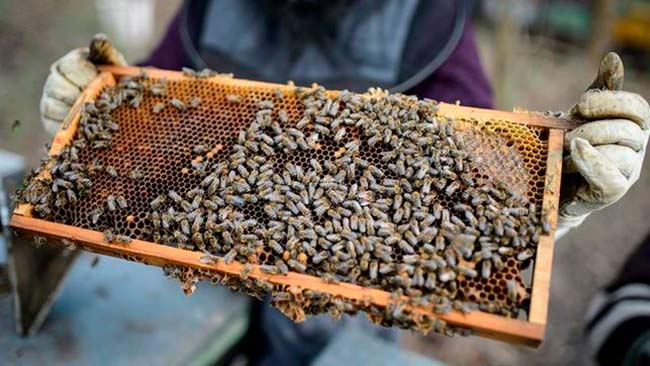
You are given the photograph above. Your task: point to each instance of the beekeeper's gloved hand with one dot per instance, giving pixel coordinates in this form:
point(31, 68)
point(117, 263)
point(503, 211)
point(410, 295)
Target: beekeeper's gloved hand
point(70, 74)
point(603, 157)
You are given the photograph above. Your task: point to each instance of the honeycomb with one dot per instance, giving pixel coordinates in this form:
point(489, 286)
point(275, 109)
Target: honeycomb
point(161, 146)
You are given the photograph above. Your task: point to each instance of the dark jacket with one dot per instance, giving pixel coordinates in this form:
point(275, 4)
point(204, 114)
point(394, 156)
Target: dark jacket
point(449, 66)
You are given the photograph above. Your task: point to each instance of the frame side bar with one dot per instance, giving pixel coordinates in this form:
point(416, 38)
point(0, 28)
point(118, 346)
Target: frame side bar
point(69, 126)
point(544, 258)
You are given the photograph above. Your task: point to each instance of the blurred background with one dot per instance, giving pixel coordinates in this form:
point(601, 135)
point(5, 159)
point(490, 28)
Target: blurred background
point(539, 55)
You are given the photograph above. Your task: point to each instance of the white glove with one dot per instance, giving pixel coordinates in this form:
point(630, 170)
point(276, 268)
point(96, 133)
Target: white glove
point(69, 76)
point(603, 157)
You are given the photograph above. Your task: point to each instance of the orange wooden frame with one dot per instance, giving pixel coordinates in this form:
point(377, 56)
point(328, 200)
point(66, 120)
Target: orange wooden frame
point(529, 332)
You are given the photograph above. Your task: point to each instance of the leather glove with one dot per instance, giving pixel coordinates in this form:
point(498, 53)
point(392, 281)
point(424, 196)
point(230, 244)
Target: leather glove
point(69, 75)
point(603, 157)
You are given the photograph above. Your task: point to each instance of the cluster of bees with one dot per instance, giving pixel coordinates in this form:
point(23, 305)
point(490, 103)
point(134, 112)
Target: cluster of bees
point(380, 223)
point(376, 224)
point(63, 179)
point(297, 303)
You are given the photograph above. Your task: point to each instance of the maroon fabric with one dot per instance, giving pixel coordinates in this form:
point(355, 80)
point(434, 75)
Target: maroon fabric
point(461, 77)
point(169, 53)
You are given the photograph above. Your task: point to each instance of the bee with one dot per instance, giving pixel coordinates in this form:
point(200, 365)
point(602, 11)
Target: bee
point(329, 278)
point(447, 275)
point(69, 244)
point(136, 100)
point(511, 287)
point(234, 200)
point(467, 272)
point(246, 271)
point(321, 256)
point(208, 258)
point(185, 227)
point(486, 269)
point(194, 102)
point(283, 116)
point(180, 237)
point(111, 171)
point(39, 240)
point(111, 203)
point(121, 202)
point(524, 255)
point(158, 88)
point(508, 251)
point(122, 239)
point(157, 202)
point(176, 103)
point(158, 107)
point(269, 269)
point(282, 267)
point(338, 136)
point(43, 209)
point(498, 227)
point(265, 104)
point(109, 236)
point(135, 174)
point(95, 215)
point(175, 196)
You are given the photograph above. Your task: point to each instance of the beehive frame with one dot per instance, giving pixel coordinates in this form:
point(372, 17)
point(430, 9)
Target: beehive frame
point(511, 330)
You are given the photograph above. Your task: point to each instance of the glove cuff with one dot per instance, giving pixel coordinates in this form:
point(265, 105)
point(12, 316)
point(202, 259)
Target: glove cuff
point(566, 223)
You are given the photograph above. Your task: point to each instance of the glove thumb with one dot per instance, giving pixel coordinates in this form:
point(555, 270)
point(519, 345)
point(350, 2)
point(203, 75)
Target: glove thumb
point(610, 73)
point(102, 52)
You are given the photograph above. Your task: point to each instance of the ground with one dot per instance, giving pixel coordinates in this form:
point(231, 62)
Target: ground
point(34, 33)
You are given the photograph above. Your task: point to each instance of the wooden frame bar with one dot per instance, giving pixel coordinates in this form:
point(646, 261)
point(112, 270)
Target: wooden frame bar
point(529, 333)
